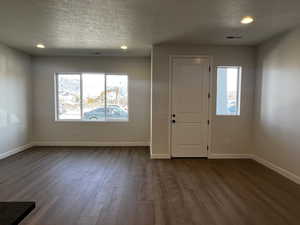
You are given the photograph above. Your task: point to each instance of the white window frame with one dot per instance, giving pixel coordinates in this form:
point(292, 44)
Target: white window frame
point(56, 119)
point(239, 90)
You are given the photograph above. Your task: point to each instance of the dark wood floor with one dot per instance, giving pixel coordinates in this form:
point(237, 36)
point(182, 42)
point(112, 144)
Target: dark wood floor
point(122, 186)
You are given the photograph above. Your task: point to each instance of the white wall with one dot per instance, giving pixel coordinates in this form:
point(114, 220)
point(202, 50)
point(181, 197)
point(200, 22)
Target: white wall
point(47, 131)
point(231, 136)
point(275, 137)
point(15, 100)
point(277, 114)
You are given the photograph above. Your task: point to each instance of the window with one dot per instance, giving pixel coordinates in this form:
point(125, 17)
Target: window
point(228, 90)
point(91, 97)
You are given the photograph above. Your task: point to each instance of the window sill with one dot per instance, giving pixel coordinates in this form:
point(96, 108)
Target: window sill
point(235, 116)
point(91, 121)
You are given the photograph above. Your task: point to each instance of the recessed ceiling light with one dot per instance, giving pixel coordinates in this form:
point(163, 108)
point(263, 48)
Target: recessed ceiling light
point(40, 46)
point(124, 47)
point(247, 20)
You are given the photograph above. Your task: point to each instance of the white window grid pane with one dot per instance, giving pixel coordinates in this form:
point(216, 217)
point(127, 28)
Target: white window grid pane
point(123, 83)
point(58, 116)
point(93, 88)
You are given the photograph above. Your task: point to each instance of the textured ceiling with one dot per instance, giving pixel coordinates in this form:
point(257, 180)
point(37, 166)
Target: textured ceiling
point(83, 27)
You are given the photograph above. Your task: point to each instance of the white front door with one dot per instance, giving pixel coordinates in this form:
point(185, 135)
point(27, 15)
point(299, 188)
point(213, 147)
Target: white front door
point(190, 106)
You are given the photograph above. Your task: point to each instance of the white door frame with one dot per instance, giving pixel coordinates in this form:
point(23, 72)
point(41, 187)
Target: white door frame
point(210, 62)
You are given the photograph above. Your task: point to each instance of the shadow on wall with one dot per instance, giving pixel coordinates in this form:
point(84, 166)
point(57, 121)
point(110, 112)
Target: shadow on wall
point(277, 110)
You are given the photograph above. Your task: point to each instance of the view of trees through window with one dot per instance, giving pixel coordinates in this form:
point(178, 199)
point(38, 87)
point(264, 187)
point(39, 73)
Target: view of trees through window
point(228, 90)
point(92, 97)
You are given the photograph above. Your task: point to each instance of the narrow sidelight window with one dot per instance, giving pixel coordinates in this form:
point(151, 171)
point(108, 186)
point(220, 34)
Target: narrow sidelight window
point(228, 90)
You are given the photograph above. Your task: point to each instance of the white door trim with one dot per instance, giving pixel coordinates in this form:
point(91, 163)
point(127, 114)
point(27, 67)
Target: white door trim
point(210, 60)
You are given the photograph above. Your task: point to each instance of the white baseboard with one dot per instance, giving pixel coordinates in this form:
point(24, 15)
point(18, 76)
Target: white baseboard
point(211, 156)
point(15, 150)
point(293, 177)
point(229, 156)
point(64, 143)
point(160, 156)
point(90, 143)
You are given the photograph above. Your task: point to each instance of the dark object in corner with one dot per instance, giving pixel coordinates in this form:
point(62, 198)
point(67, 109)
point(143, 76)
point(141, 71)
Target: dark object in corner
point(12, 213)
point(233, 37)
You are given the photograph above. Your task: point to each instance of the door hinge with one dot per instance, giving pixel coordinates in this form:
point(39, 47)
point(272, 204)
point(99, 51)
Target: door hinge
point(208, 95)
point(208, 122)
point(209, 68)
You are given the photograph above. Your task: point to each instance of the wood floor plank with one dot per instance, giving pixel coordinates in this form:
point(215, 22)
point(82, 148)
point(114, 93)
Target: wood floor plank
point(123, 186)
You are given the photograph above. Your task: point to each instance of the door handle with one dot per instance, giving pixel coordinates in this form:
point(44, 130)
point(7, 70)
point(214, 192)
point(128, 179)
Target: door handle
point(173, 121)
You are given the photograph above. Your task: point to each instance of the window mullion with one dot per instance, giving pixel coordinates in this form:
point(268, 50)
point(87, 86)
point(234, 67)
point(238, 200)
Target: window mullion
point(56, 98)
point(105, 96)
point(239, 87)
point(81, 101)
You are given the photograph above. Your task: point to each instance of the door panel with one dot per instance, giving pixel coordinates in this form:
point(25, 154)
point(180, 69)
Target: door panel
point(190, 86)
point(188, 140)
